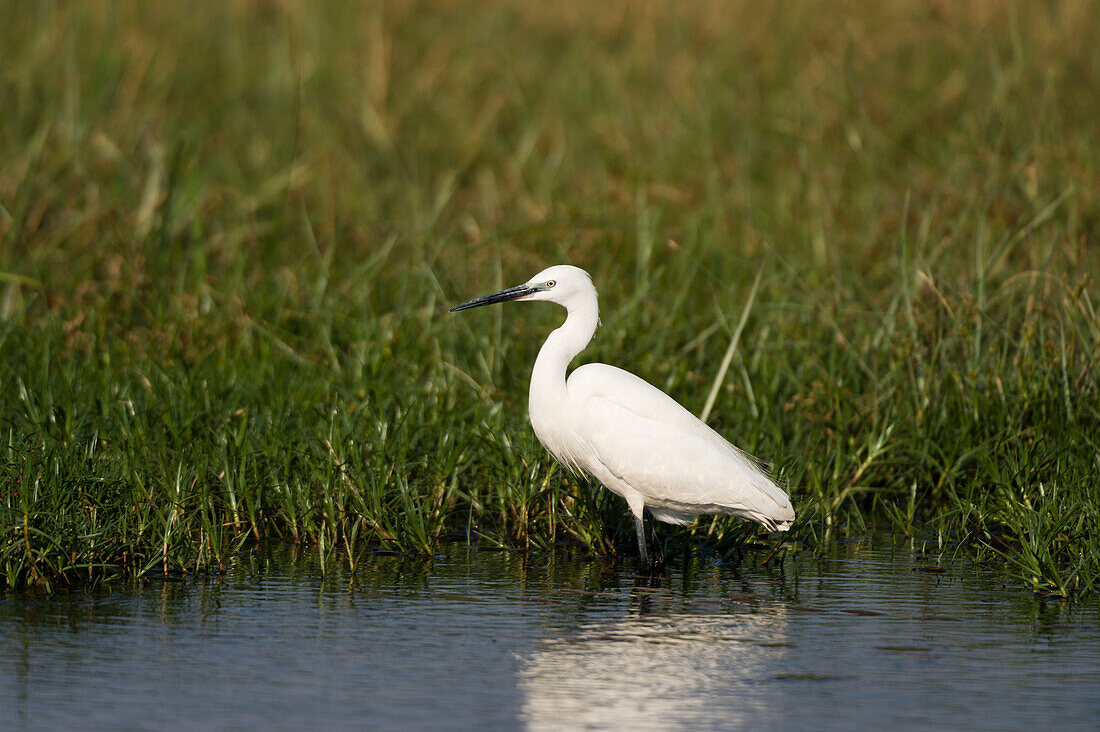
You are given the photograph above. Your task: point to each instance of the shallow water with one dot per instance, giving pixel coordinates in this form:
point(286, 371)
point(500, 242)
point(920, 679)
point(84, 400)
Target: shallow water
point(861, 638)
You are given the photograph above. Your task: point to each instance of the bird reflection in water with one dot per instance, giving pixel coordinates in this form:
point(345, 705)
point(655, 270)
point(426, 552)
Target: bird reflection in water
point(658, 666)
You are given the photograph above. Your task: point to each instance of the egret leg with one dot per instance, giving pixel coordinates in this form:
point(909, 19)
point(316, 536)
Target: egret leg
point(639, 526)
point(651, 534)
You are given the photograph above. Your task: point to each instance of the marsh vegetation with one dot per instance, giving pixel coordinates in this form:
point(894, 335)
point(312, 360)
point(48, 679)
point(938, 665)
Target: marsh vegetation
point(230, 234)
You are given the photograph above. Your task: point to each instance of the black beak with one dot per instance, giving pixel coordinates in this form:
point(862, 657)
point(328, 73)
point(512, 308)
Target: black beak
point(511, 293)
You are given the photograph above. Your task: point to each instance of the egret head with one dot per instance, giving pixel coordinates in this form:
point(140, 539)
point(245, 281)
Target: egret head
point(562, 284)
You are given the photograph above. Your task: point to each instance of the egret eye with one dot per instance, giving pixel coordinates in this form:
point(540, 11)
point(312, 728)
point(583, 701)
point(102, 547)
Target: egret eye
point(550, 283)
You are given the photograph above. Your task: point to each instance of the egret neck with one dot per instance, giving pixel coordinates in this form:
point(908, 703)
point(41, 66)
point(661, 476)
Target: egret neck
point(548, 393)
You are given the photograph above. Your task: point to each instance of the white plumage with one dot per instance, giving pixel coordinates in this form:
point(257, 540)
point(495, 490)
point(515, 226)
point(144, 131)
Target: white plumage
point(628, 434)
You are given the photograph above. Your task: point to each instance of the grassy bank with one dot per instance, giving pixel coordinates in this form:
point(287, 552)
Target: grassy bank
point(230, 235)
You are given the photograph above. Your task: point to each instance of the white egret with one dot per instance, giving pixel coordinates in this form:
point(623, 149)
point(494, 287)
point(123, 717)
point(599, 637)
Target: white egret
point(631, 436)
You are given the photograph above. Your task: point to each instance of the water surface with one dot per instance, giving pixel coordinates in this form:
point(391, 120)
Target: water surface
point(865, 637)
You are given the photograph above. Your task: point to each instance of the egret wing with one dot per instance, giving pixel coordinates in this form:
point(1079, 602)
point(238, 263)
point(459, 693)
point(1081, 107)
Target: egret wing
point(646, 439)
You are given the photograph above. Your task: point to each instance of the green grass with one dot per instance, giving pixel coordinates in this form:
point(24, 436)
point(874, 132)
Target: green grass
point(230, 234)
